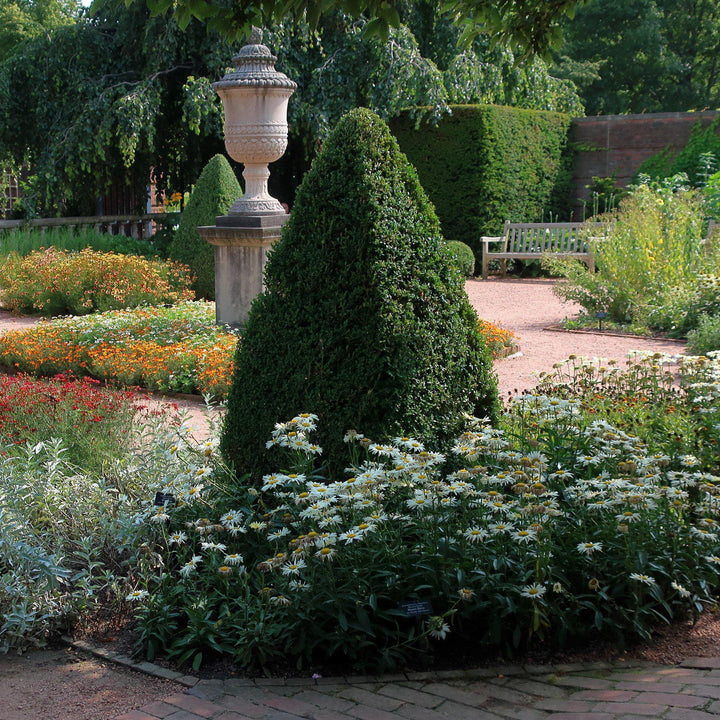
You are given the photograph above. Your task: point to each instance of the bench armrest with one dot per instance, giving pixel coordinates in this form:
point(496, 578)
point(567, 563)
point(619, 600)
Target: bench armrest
point(486, 240)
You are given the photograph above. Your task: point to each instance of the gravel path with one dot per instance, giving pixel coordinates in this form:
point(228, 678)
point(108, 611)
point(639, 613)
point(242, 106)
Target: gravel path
point(528, 308)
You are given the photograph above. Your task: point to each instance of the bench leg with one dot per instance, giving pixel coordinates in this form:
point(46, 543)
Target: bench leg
point(503, 267)
point(484, 266)
point(591, 264)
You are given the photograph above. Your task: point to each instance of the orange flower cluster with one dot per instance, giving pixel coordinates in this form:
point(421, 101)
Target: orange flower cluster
point(500, 342)
point(191, 363)
point(55, 282)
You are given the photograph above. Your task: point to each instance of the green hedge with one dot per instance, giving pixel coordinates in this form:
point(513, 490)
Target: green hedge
point(485, 164)
point(214, 193)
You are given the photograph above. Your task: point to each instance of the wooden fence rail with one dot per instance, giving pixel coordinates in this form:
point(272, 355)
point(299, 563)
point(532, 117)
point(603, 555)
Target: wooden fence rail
point(136, 226)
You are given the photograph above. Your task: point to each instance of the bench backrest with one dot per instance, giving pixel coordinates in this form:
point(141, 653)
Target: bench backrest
point(545, 237)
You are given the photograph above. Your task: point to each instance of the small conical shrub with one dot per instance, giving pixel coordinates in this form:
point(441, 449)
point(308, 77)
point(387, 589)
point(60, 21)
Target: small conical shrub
point(216, 190)
point(363, 321)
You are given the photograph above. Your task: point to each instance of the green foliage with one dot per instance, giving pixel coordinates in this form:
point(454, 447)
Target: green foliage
point(70, 541)
point(690, 160)
point(108, 101)
point(56, 282)
point(216, 190)
point(21, 20)
point(680, 308)
point(484, 165)
point(705, 338)
point(651, 262)
point(363, 318)
point(462, 257)
point(533, 25)
point(673, 47)
point(24, 241)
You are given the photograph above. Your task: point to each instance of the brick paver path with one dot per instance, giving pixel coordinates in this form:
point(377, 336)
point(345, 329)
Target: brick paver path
point(595, 691)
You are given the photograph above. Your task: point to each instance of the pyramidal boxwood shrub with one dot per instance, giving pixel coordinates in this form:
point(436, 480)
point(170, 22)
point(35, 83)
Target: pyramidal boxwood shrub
point(364, 320)
point(216, 190)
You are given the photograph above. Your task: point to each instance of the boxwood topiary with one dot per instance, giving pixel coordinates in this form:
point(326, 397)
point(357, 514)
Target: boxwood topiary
point(462, 257)
point(363, 321)
point(216, 190)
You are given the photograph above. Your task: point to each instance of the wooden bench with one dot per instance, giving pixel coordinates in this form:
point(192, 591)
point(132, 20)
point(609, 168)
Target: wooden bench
point(529, 241)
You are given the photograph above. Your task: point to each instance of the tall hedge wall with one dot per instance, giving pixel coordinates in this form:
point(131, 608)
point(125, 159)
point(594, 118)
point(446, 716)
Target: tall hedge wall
point(485, 164)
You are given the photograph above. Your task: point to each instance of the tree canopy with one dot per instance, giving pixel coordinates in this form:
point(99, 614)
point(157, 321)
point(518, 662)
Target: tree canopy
point(532, 25)
point(22, 20)
point(122, 94)
point(644, 56)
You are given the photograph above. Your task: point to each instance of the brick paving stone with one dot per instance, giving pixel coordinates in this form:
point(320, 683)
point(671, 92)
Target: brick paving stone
point(195, 705)
point(416, 712)
point(705, 679)
point(660, 686)
point(271, 714)
point(325, 714)
point(482, 672)
point(188, 680)
point(364, 712)
point(581, 716)
point(714, 708)
point(270, 681)
point(422, 676)
point(567, 705)
point(634, 708)
point(364, 697)
point(641, 676)
point(230, 715)
point(292, 706)
point(534, 687)
point(409, 695)
point(456, 711)
point(324, 700)
point(184, 715)
point(206, 692)
point(711, 663)
point(604, 695)
point(676, 672)
point(241, 705)
point(672, 699)
point(514, 712)
point(232, 685)
point(580, 681)
point(688, 714)
point(158, 709)
point(455, 694)
point(508, 694)
point(708, 691)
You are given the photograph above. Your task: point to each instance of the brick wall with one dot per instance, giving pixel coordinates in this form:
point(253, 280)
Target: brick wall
point(620, 143)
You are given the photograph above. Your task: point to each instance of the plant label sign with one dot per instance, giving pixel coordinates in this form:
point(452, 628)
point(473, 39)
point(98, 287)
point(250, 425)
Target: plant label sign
point(417, 608)
point(163, 499)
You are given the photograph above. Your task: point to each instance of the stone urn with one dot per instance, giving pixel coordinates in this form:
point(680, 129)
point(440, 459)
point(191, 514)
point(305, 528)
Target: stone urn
point(255, 98)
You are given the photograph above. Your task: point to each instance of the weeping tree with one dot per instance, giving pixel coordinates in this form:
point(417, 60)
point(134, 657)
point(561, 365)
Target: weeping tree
point(364, 321)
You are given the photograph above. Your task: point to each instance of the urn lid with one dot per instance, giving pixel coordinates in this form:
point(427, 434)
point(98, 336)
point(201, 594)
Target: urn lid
point(255, 67)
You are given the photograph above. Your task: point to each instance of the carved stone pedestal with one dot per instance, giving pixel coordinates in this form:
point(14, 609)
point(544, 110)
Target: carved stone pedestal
point(241, 247)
